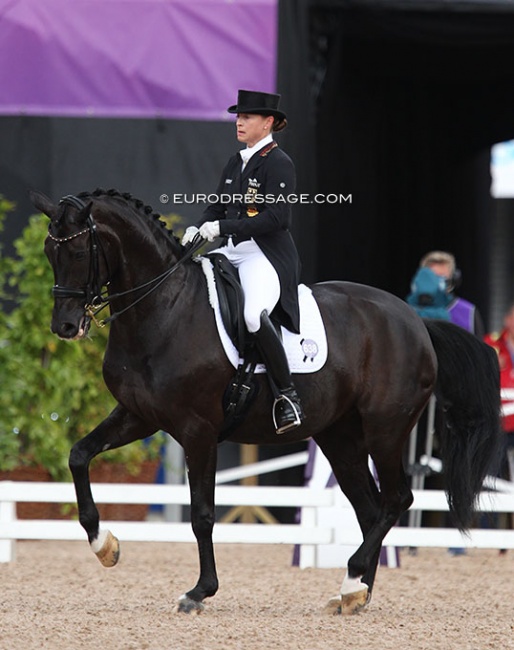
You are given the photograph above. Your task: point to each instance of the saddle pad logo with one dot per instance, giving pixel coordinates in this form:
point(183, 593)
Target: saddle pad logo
point(309, 348)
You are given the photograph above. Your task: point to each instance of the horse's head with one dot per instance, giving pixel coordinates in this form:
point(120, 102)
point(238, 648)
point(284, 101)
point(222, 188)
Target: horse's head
point(73, 250)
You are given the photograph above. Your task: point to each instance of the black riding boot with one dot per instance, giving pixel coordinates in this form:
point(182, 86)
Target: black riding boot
point(287, 410)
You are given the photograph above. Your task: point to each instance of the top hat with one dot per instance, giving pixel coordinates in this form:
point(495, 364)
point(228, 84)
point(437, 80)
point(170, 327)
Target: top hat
point(250, 101)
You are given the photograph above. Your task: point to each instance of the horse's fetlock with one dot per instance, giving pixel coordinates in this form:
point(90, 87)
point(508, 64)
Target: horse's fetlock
point(90, 522)
point(356, 569)
point(211, 588)
point(204, 589)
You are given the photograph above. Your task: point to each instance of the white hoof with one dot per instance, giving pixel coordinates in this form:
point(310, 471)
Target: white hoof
point(187, 605)
point(106, 547)
point(354, 595)
point(354, 602)
point(333, 607)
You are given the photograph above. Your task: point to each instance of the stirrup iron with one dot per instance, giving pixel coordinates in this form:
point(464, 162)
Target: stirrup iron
point(290, 425)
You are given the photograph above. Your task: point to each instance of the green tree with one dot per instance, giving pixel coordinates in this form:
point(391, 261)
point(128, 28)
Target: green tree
point(52, 391)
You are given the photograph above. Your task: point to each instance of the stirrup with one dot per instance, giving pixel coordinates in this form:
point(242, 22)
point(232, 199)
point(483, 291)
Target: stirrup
point(291, 424)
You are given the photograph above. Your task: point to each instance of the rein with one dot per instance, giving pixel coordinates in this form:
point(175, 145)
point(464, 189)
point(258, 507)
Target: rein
point(96, 301)
point(94, 308)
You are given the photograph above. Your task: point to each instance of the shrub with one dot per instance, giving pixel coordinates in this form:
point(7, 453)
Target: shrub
point(52, 392)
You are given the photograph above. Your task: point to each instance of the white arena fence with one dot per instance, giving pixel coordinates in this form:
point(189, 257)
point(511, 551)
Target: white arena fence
point(309, 534)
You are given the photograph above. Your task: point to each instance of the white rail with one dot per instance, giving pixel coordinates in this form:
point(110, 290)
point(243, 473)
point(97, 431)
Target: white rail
point(308, 534)
point(262, 467)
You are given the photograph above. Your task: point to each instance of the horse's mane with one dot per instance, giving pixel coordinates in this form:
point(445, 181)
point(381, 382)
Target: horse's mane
point(139, 206)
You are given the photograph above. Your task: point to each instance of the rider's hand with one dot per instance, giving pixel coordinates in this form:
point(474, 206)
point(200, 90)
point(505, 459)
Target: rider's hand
point(210, 230)
point(189, 235)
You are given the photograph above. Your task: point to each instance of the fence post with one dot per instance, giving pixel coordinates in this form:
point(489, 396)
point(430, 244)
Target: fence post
point(308, 551)
point(7, 516)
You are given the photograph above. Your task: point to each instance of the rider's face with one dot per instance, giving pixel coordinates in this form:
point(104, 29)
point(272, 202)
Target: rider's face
point(252, 128)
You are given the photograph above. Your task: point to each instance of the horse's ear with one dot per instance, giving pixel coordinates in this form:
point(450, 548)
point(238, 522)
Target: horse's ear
point(43, 203)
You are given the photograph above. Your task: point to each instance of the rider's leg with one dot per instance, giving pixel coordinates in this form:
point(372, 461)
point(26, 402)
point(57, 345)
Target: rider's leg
point(262, 292)
point(261, 288)
point(287, 410)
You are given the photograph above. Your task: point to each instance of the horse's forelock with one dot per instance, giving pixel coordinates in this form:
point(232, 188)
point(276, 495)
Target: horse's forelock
point(58, 225)
point(67, 217)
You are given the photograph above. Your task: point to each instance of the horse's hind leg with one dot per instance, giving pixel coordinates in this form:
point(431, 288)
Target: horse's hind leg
point(345, 448)
point(395, 499)
point(343, 445)
point(117, 430)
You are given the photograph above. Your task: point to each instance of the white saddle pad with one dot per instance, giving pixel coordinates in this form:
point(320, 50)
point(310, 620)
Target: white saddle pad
point(306, 352)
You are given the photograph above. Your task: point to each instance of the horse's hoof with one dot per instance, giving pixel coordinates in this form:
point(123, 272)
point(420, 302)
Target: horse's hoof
point(333, 606)
point(352, 603)
point(109, 551)
point(187, 605)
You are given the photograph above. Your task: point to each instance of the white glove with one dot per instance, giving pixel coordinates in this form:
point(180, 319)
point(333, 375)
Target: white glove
point(189, 235)
point(210, 230)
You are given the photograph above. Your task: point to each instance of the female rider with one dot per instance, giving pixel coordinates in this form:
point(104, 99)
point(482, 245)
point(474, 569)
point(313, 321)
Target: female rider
point(255, 224)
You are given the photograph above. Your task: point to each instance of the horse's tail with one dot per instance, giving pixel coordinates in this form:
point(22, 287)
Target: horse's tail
point(468, 389)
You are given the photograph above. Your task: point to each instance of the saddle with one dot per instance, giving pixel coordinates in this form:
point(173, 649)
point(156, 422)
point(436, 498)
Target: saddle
point(231, 299)
point(243, 388)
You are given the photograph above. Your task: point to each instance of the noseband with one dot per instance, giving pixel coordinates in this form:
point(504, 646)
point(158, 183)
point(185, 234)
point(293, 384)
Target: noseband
point(95, 301)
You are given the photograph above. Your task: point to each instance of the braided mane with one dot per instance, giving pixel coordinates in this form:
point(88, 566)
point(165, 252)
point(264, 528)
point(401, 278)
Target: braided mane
point(140, 206)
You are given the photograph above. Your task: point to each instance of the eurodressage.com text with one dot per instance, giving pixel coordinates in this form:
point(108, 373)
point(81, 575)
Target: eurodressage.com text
point(255, 199)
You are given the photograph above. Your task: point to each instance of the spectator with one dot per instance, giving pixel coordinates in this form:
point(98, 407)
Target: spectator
point(428, 295)
point(461, 311)
point(431, 299)
point(503, 343)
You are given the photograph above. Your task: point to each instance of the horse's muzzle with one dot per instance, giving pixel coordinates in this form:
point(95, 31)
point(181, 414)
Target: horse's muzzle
point(71, 331)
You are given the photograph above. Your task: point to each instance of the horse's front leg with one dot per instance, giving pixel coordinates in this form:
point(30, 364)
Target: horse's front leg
point(201, 460)
point(118, 429)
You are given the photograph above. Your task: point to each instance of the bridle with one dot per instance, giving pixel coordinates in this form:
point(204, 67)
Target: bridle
point(92, 291)
point(95, 299)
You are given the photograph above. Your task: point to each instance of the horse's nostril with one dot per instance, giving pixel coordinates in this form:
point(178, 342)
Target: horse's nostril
point(67, 330)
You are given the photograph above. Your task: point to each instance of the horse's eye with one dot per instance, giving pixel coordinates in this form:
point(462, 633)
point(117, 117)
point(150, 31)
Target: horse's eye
point(80, 255)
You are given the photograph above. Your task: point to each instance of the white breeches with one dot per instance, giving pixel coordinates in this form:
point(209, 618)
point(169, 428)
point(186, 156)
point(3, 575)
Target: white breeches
point(259, 280)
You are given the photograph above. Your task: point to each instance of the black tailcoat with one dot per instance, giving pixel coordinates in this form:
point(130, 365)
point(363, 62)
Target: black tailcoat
point(257, 203)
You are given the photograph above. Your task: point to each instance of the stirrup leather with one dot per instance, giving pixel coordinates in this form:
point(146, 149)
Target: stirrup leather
point(290, 425)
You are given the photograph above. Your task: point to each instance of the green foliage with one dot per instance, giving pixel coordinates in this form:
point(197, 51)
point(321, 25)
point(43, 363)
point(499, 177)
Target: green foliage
point(52, 391)
point(173, 222)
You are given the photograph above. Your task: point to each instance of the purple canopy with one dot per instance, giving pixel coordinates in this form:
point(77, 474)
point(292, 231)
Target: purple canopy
point(134, 58)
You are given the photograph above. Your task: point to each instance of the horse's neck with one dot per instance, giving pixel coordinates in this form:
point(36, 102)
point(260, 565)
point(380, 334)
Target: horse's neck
point(169, 305)
point(142, 255)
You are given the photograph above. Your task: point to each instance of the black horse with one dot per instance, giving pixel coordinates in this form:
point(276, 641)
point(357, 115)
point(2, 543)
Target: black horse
point(166, 368)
